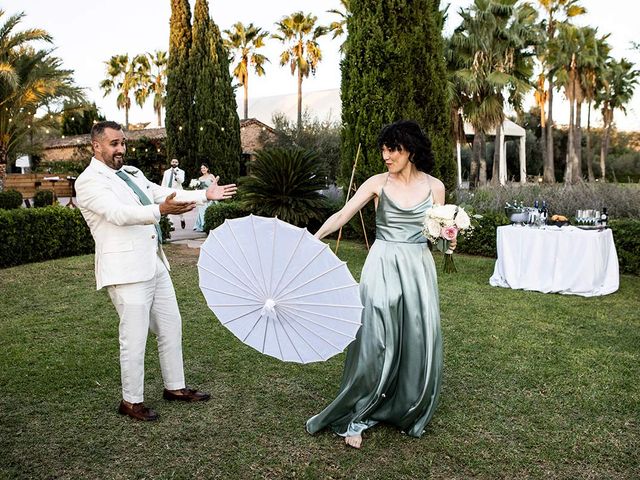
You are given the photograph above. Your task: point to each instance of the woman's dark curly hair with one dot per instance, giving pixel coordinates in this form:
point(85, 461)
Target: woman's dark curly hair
point(407, 135)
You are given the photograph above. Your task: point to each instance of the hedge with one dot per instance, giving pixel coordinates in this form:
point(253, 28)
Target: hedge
point(217, 213)
point(43, 198)
point(483, 238)
point(626, 234)
point(38, 234)
point(10, 199)
point(166, 227)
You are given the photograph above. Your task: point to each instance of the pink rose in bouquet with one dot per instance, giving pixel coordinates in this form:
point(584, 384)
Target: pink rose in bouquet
point(449, 233)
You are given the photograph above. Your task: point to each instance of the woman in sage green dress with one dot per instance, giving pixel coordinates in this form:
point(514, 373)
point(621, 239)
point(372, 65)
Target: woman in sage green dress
point(206, 179)
point(393, 370)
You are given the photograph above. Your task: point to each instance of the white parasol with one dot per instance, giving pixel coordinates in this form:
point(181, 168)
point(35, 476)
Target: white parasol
point(279, 289)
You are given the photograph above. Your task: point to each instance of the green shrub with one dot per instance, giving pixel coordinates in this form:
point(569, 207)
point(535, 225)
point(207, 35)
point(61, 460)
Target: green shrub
point(321, 136)
point(43, 198)
point(626, 234)
point(166, 227)
point(217, 213)
point(621, 200)
point(483, 239)
point(37, 234)
point(10, 199)
point(285, 183)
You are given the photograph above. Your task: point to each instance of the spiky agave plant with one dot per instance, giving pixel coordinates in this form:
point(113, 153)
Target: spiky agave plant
point(286, 183)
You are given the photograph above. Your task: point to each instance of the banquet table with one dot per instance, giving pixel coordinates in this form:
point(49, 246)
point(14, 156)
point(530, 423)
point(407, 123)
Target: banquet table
point(552, 259)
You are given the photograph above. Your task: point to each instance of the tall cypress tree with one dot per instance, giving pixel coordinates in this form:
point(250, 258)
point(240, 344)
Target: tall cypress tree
point(214, 120)
point(179, 94)
point(394, 68)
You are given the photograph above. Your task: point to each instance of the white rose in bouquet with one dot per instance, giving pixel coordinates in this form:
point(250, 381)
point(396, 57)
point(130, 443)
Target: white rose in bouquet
point(432, 229)
point(462, 220)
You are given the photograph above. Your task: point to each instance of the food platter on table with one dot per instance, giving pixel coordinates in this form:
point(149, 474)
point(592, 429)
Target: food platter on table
point(558, 221)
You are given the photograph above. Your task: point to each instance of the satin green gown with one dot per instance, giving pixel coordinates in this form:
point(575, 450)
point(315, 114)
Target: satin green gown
point(198, 224)
point(393, 369)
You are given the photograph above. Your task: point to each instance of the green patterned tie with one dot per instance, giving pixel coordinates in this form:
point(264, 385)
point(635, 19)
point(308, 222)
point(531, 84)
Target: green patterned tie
point(143, 198)
point(171, 179)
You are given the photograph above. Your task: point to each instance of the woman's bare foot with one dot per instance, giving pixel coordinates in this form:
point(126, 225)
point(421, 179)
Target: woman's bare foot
point(354, 441)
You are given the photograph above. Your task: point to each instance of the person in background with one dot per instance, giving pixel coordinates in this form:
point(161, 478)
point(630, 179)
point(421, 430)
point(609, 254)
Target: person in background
point(123, 209)
point(206, 179)
point(174, 178)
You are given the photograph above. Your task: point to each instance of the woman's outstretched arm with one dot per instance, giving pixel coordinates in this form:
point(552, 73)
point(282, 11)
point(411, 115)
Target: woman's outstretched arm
point(368, 190)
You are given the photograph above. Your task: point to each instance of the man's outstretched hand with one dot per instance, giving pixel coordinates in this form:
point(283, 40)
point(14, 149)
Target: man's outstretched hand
point(220, 192)
point(172, 207)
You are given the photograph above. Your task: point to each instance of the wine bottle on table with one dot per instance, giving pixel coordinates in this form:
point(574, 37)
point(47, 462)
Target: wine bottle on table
point(534, 215)
point(604, 217)
point(544, 213)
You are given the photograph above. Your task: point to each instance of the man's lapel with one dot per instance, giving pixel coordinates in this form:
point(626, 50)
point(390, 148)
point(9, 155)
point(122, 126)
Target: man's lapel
point(119, 186)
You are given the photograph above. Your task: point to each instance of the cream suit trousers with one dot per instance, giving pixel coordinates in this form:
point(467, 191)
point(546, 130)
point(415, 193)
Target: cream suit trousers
point(142, 306)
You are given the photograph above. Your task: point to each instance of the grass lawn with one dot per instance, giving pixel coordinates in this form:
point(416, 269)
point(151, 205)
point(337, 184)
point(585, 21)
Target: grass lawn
point(536, 386)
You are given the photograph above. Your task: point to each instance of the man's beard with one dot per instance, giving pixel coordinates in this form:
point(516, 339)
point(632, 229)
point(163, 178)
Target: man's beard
point(116, 162)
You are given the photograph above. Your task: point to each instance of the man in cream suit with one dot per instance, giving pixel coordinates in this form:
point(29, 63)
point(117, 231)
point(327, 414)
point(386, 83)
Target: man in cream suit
point(174, 178)
point(122, 209)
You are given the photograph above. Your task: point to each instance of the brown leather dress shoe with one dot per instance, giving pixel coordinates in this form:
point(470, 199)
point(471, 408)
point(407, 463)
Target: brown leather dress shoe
point(137, 411)
point(185, 395)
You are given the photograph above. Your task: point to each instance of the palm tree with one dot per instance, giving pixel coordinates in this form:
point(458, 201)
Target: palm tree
point(158, 81)
point(285, 182)
point(556, 11)
point(127, 77)
point(616, 90)
point(30, 79)
point(493, 43)
point(243, 41)
point(569, 38)
point(580, 55)
point(339, 27)
point(302, 51)
point(455, 95)
point(589, 80)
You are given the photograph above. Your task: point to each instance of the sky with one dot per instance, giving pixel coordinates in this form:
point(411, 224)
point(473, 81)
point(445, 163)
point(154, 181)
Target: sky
point(87, 33)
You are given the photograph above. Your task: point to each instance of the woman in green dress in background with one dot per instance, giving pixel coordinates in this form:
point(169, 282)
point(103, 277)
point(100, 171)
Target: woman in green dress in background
point(393, 370)
point(206, 178)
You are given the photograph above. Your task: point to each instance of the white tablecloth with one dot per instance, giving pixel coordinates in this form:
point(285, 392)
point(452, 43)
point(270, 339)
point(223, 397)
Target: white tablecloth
point(553, 259)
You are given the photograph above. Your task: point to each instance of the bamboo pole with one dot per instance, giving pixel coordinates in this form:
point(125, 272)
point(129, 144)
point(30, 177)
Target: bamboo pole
point(353, 173)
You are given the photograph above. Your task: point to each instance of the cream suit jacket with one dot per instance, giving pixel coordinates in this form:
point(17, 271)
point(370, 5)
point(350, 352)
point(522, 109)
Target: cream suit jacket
point(123, 228)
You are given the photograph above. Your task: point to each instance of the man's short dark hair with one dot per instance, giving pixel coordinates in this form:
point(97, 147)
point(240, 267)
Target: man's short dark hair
point(407, 135)
point(98, 128)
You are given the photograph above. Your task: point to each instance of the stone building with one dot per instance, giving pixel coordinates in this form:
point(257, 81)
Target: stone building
point(254, 135)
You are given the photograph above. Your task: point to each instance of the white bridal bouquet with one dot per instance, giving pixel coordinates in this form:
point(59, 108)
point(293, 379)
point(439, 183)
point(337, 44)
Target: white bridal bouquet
point(442, 223)
point(194, 184)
